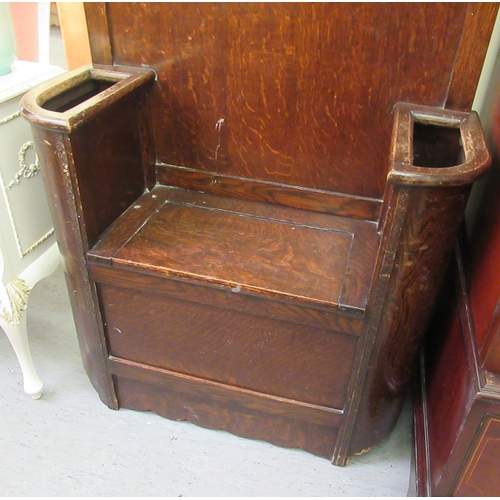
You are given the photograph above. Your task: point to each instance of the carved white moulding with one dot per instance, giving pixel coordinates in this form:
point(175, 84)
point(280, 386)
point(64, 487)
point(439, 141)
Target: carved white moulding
point(14, 301)
point(26, 171)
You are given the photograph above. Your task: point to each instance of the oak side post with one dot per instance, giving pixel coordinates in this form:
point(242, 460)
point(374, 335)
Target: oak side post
point(92, 169)
point(423, 208)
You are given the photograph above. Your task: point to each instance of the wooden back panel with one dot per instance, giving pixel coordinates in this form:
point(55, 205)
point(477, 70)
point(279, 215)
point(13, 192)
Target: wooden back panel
point(297, 94)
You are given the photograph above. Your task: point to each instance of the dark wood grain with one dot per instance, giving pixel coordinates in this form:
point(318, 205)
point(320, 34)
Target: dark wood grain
point(422, 216)
point(248, 247)
point(240, 350)
point(183, 399)
point(92, 177)
point(270, 192)
point(54, 152)
point(226, 299)
point(395, 205)
point(70, 100)
point(130, 222)
point(427, 242)
point(294, 83)
point(98, 30)
point(466, 158)
point(241, 252)
point(147, 140)
point(478, 26)
point(274, 211)
point(279, 282)
point(249, 401)
point(122, 181)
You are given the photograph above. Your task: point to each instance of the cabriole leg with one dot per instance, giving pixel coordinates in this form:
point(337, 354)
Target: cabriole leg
point(18, 337)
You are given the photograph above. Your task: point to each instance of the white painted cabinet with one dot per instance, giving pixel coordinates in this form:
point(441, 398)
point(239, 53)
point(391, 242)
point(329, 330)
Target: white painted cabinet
point(28, 248)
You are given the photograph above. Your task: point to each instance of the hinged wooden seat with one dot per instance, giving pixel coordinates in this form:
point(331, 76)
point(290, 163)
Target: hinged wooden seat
point(242, 246)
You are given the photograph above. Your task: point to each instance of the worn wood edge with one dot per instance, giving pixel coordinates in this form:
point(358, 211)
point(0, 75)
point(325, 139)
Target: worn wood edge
point(126, 81)
point(82, 275)
point(237, 287)
point(278, 430)
point(476, 34)
point(264, 210)
point(135, 217)
point(355, 272)
point(64, 205)
point(403, 172)
point(270, 192)
point(350, 274)
point(396, 214)
point(99, 35)
point(475, 369)
point(421, 462)
point(236, 396)
point(301, 314)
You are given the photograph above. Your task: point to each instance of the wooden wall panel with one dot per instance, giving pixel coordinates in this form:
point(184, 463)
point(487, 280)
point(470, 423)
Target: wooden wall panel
point(477, 30)
point(295, 98)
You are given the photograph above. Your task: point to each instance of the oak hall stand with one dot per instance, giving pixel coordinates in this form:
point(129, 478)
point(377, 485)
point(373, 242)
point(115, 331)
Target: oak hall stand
point(256, 202)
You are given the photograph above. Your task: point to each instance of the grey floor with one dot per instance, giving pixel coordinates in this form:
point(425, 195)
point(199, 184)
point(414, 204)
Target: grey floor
point(70, 444)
